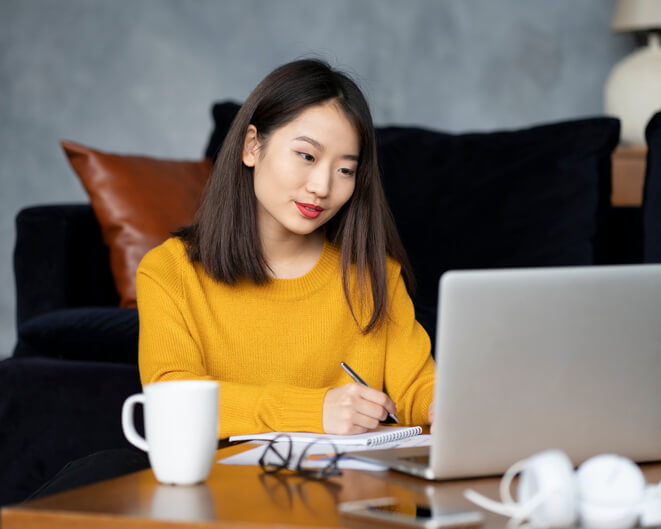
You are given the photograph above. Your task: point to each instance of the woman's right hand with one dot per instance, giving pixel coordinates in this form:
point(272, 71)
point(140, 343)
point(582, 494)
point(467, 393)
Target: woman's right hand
point(354, 408)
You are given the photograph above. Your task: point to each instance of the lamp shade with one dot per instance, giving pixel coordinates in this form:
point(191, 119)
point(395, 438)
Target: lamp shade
point(637, 15)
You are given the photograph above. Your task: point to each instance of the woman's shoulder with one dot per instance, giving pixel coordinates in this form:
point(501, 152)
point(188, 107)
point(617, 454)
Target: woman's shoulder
point(393, 268)
point(169, 254)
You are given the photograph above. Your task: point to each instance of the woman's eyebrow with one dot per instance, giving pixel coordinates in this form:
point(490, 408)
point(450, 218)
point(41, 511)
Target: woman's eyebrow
point(311, 141)
point(319, 146)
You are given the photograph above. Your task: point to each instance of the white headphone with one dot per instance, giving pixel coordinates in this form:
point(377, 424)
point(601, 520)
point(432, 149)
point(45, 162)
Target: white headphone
point(606, 492)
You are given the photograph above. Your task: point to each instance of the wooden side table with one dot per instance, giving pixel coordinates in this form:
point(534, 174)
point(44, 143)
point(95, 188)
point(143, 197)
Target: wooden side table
point(628, 175)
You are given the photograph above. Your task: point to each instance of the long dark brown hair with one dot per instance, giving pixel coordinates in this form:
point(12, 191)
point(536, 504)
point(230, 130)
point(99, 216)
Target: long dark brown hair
point(224, 237)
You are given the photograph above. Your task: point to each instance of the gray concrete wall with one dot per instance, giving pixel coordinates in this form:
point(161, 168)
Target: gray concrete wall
point(138, 76)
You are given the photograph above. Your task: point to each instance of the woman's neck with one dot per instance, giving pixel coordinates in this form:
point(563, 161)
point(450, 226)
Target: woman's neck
point(294, 256)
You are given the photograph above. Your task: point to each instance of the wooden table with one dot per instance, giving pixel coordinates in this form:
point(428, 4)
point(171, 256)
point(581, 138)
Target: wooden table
point(239, 497)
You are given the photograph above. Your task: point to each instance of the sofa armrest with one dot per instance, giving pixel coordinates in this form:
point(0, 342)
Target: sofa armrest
point(54, 412)
point(60, 260)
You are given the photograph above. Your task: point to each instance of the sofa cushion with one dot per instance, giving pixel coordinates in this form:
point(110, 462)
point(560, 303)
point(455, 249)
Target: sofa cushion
point(529, 197)
point(652, 192)
point(138, 201)
point(108, 334)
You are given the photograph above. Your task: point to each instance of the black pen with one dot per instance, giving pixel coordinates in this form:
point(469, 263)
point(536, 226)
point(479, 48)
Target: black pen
point(359, 380)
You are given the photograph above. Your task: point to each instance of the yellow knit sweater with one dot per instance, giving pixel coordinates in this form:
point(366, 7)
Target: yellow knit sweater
point(276, 348)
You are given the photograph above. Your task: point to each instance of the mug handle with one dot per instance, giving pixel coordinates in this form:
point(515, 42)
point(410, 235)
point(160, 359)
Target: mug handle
point(127, 421)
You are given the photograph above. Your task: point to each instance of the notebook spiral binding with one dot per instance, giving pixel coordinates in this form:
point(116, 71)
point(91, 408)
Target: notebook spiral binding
point(394, 436)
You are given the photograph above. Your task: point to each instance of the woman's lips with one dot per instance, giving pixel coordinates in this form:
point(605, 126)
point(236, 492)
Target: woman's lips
point(309, 210)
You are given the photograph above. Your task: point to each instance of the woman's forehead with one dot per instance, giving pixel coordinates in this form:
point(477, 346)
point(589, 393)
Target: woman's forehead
point(323, 126)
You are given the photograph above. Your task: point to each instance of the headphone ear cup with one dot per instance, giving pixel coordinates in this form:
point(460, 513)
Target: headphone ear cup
point(550, 476)
point(611, 490)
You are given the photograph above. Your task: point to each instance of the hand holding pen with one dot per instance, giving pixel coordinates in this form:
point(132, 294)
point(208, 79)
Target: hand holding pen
point(355, 408)
point(356, 378)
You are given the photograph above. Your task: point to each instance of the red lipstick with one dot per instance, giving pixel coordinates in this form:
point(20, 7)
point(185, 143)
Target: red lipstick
point(309, 211)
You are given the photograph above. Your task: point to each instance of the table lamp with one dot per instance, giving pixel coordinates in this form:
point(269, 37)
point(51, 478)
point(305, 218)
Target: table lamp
point(633, 88)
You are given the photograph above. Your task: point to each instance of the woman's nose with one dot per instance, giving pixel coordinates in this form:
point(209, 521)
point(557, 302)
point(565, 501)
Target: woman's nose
point(319, 182)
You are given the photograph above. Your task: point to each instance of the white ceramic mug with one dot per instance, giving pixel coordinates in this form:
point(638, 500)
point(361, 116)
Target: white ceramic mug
point(181, 428)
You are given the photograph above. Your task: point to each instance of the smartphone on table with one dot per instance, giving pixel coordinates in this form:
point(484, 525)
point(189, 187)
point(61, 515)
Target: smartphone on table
point(407, 513)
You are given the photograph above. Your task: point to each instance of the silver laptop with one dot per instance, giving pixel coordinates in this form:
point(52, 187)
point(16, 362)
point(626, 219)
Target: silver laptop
point(533, 359)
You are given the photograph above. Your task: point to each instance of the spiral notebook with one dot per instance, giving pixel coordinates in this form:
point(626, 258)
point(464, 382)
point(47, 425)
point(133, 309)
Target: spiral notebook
point(382, 435)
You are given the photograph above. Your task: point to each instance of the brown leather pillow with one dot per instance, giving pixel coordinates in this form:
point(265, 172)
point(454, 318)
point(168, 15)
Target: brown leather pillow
point(138, 202)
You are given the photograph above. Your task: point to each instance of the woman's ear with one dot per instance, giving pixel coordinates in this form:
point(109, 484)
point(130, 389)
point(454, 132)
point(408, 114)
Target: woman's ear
point(250, 146)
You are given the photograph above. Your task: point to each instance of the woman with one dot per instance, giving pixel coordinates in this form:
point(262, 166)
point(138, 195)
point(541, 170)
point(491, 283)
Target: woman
point(291, 266)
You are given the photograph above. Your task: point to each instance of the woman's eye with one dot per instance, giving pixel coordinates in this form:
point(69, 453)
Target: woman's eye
point(348, 172)
point(307, 157)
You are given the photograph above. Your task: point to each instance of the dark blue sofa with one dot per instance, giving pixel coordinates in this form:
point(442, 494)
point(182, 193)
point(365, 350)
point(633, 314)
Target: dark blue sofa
point(533, 197)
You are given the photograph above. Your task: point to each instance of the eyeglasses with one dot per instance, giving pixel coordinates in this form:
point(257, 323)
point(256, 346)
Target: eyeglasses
point(279, 455)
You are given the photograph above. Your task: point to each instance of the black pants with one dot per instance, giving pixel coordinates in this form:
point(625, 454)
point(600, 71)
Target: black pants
point(102, 465)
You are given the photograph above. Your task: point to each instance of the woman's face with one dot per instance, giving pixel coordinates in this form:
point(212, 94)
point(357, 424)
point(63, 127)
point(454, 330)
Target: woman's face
point(305, 171)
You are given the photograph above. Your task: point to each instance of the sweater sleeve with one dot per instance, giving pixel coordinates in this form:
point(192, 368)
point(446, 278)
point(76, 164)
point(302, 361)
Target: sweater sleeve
point(409, 367)
point(168, 351)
